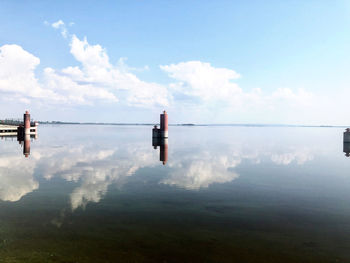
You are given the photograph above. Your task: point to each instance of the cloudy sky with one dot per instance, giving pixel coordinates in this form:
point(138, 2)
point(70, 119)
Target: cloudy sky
point(202, 61)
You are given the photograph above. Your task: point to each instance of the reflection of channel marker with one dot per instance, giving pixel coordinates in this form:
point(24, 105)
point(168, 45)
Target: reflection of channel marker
point(26, 148)
point(346, 149)
point(163, 147)
point(24, 140)
point(163, 131)
point(155, 132)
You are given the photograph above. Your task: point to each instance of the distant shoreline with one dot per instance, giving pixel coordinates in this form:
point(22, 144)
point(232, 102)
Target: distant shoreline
point(190, 124)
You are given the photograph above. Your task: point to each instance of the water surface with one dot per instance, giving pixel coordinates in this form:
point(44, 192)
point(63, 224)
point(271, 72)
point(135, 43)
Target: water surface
point(225, 194)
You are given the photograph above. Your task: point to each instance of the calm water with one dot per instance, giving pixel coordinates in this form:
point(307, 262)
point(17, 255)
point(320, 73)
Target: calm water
point(225, 194)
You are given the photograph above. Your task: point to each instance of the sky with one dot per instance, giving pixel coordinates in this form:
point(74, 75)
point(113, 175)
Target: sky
point(266, 62)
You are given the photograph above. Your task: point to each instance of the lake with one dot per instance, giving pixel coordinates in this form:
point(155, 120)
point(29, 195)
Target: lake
point(99, 193)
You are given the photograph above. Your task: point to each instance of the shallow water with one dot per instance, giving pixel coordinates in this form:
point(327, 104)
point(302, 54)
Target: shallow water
point(225, 194)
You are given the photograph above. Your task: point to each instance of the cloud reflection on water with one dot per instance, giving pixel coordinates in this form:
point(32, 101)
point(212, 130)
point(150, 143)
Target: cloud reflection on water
point(94, 167)
point(94, 170)
point(195, 172)
point(300, 156)
point(16, 177)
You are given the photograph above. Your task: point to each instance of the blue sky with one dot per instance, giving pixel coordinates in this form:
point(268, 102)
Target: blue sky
point(208, 61)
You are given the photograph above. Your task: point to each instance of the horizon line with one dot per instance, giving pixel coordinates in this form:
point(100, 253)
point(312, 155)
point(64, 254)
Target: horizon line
point(193, 124)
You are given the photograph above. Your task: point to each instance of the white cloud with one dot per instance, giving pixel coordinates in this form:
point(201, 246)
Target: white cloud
point(74, 92)
point(209, 85)
point(17, 67)
point(18, 81)
point(96, 80)
point(97, 70)
point(57, 24)
point(197, 86)
point(90, 56)
point(199, 79)
point(61, 25)
point(17, 75)
point(122, 66)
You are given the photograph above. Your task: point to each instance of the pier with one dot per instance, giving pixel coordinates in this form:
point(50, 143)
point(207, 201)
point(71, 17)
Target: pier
point(24, 131)
point(17, 127)
point(8, 130)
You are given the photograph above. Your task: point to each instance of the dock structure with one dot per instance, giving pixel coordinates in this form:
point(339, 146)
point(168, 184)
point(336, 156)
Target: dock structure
point(24, 131)
point(8, 130)
point(18, 128)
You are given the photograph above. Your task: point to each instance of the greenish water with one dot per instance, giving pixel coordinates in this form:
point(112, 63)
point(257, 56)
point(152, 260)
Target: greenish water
point(225, 194)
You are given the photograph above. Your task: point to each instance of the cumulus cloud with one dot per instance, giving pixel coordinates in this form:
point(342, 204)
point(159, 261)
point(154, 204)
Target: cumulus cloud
point(18, 80)
point(96, 80)
point(201, 83)
point(17, 77)
point(195, 85)
point(97, 70)
point(199, 79)
point(74, 92)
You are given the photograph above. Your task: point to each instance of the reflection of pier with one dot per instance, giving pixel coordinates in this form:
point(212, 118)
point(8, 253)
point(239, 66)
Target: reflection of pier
point(163, 146)
point(23, 140)
point(24, 131)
